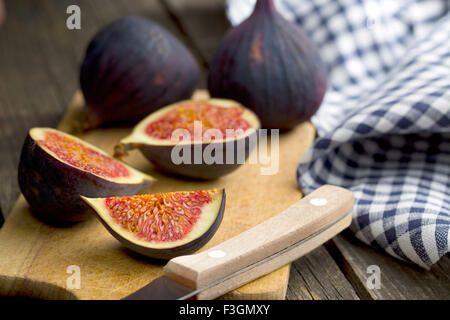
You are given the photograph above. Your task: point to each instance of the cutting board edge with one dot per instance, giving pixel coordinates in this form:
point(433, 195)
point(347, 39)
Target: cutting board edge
point(19, 283)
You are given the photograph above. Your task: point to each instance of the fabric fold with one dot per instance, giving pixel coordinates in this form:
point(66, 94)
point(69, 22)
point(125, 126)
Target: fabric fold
point(384, 125)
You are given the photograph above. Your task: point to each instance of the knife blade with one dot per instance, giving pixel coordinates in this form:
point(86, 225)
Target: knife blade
point(260, 250)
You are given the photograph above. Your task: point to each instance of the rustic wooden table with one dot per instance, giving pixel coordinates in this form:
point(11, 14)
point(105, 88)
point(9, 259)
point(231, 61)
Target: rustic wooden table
point(39, 61)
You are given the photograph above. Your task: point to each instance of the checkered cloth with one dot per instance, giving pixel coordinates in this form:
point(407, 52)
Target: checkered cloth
point(384, 125)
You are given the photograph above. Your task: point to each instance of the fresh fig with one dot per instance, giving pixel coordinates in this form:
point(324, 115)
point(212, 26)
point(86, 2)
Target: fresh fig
point(269, 65)
point(133, 67)
point(198, 139)
point(162, 226)
point(55, 168)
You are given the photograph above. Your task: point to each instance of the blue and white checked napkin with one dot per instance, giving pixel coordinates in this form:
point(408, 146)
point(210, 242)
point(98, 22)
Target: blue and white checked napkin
point(384, 125)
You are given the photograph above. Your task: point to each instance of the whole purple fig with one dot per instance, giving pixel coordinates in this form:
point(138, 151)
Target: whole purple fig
point(269, 65)
point(133, 67)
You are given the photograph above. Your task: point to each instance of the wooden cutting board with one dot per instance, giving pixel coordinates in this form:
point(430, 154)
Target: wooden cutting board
point(35, 258)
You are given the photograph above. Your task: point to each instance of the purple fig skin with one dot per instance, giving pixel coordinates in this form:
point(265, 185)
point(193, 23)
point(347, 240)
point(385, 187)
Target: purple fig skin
point(53, 188)
point(160, 156)
point(201, 160)
point(270, 66)
point(133, 67)
point(169, 253)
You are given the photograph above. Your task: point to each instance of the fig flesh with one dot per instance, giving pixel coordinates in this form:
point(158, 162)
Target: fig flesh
point(269, 65)
point(197, 139)
point(55, 168)
point(165, 225)
point(131, 68)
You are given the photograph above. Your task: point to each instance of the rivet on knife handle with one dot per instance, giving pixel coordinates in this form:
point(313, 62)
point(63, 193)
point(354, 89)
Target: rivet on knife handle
point(321, 214)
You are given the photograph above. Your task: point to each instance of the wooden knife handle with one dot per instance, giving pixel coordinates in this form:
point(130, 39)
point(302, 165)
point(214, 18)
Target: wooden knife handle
point(315, 212)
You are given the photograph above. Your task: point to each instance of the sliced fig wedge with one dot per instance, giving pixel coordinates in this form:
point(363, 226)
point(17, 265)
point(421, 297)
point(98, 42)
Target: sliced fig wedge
point(55, 168)
point(164, 225)
point(197, 139)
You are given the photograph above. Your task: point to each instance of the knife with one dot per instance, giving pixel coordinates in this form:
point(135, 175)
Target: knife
point(304, 226)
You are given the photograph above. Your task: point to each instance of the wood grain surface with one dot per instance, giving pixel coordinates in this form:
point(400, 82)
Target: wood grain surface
point(290, 234)
point(39, 61)
point(38, 255)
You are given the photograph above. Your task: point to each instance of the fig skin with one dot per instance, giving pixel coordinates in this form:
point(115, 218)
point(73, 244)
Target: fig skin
point(52, 188)
point(133, 67)
point(160, 155)
point(270, 66)
point(169, 253)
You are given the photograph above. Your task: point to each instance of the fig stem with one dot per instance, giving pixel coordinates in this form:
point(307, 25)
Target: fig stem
point(121, 149)
point(83, 121)
point(265, 5)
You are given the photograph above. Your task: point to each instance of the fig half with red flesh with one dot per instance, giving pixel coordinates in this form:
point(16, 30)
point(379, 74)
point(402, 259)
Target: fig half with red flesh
point(56, 168)
point(164, 225)
point(198, 139)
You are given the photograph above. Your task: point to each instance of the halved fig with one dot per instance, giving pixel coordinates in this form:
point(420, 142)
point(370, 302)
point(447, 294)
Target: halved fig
point(164, 225)
point(55, 168)
point(198, 139)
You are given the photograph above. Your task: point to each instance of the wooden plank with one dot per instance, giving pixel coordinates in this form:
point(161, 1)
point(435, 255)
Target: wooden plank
point(317, 277)
point(203, 22)
point(105, 11)
point(33, 90)
point(39, 62)
point(398, 280)
point(21, 74)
